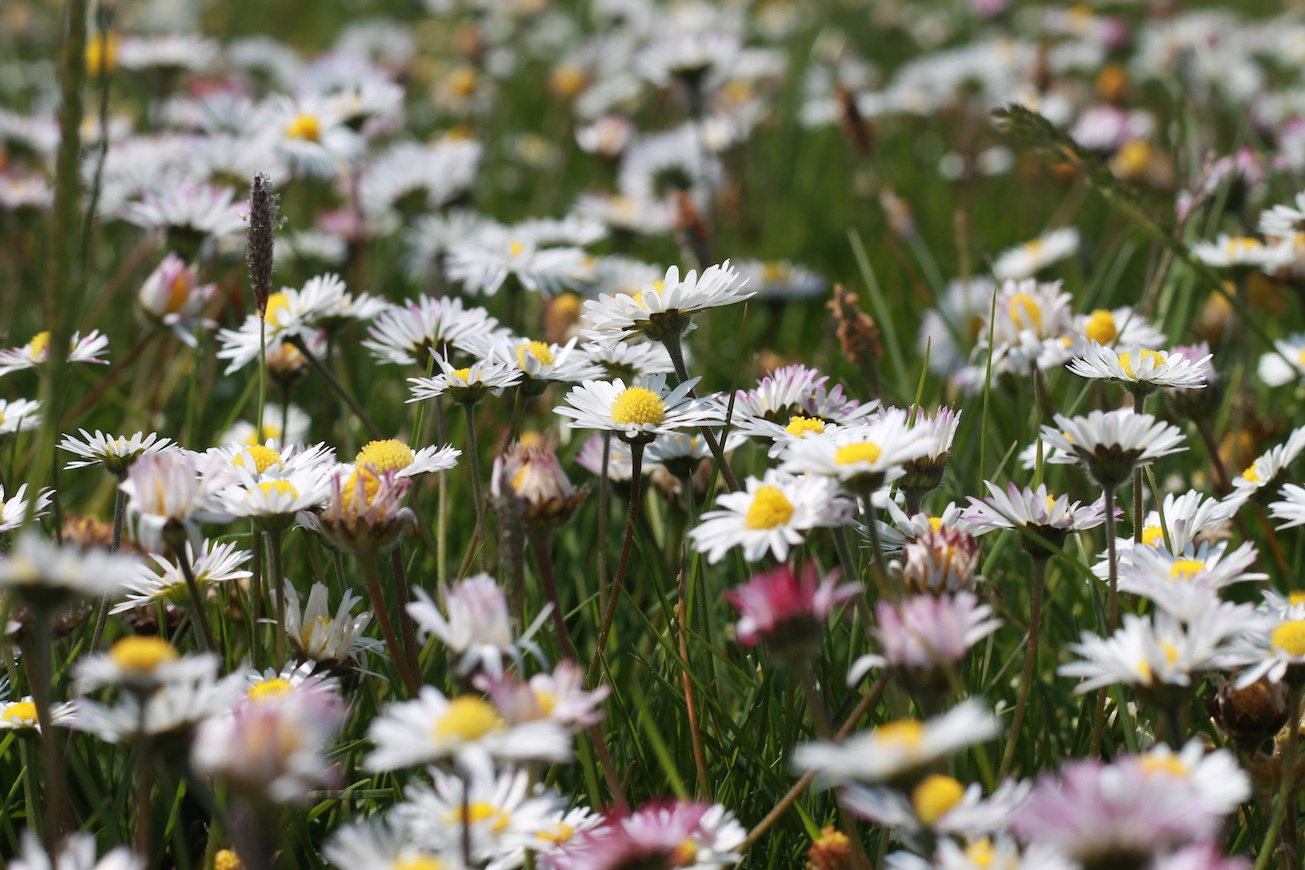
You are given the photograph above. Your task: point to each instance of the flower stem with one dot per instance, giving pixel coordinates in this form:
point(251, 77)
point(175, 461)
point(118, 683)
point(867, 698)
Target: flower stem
point(544, 561)
point(682, 373)
point(473, 464)
point(40, 679)
point(406, 630)
point(1112, 618)
point(260, 437)
point(604, 494)
point(372, 575)
point(277, 572)
point(256, 586)
point(206, 642)
point(636, 479)
point(690, 704)
point(102, 617)
point(1030, 665)
point(1286, 796)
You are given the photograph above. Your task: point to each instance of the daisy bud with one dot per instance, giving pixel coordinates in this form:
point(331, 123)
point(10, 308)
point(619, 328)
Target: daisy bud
point(787, 610)
point(536, 478)
point(168, 288)
point(1248, 715)
point(940, 561)
point(832, 851)
point(260, 238)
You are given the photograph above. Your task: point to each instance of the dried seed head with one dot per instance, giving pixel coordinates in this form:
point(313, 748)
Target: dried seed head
point(856, 330)
point(263, 221)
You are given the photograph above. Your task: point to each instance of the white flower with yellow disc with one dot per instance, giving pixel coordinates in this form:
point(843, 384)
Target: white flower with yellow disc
point(640, 412)
point(218, 562)
point(861, 458)
point(1141, 370)
point(662, 309)
point(770, 515)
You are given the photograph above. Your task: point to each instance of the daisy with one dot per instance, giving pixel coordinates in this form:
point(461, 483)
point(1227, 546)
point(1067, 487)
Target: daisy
point(270, 461)
point(940, 561)
point(139, 663)
point(1266, 472)
point(483, 263)
point(1111, 444)
point(540, 362)
point(1291, 508)
point(19, 415)
point(628, 362)
point(797, 391)
point(534, 477)
point(273, 746)
point(662, 310)
point(1286, 363)
point(190, 211)
point(497, 811)
point(317, 635)
point(191, 695)
point(296, 427)
point(940, 804)
point(45, 575)
point(75, 852)
point(926, 637)
point(781, 281)
point(1049, 516)
point(1141, 371)
point(1185, 584)
point(310, 136)
point(1240, 253)
point(172, 491)
point(173, 298)
point(924, 473)
point(620, 465)
point(673, 834)
point(1276, 651)
point(900, 751)
point(1026, 260)
point(1027, 313)
point(477, 627)
point(981, 854)
point(787, 609)
point(35, 352)
point(403, 334)
point(1158, 653)
point(116, 454)
point(365, 510)
point(13, 510)
point(559, 696)
point(637, 413)
point(433, 727)
point(1186, 518)
point(378, 846)
point(218, 562)
point(392, 454)
point(860, 458)
point(470, 384)
point(20, 716)
point(1117, 327)
point(769, 515)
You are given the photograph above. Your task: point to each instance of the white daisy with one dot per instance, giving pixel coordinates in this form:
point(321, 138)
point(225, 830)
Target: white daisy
point(861, 458)
point(191, 695)
point(433, 727)
point(1286, 363)
point(1266, 472)
point(662, 309)
point(483, 263)
point(173, 298)
point(310, 136)
point(174, 488)
point(19, 415)
point(327, 639)
point(1026, 260)
point(377, 845)
point(637, 413)
point(139, 663)
point(75, 852)
point(32, 354)
point(1141, 371)
point(477, 628)
point(539, 362)
point(1184, 585)
point(393, 454)
point(13, 510)
point(1240, 253)
point(218, 562)
point(470, 384)
point(1275, 649)
point(628, 362)
point(404, 334)
point(770, 515)
point(45, 575)
point(188, 208)
point(898, 750)
point(116, 454)
point(1111, 444)
point(20, 715)
point(1117, 327)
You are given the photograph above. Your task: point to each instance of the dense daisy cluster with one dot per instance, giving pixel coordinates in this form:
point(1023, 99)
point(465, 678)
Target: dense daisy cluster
point(651, 434)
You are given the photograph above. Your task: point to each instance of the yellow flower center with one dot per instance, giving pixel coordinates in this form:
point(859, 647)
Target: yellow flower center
point(1242, 245)
point(1170, 651)
point(178, 293)
point(306, 633)
point(1153, 536)
point(685, 854)
point(462, 81)
point(865, 451)
point(559, 833)
point(142, 654)
point(268, 689)
point(799, 426)
point(657, 287)
point(1300, 358)
point(225, 859)
point(774, 272)
point(1250, 475)
point(906, 733)
point(39, 346)
point(464, 375)
point(1166, 765)
point(1296, 598)
point(770, 508)
point(515, 249)
point(419, 862)
point(468, 718)
point(276, 303)
point(1101, 327)
point(1023, 308)
point(380, 455)
point(1185, 569)
point(935, 796)
point(536, 349)
point(21, 713)
point(481, 812)
point(547, 701)
point(935, 523)
point(283, 487)
point(305, 127)
point(638, 406)
point(980, 853)
point(1289, 637)
point(1126, 361)
point(264, 457)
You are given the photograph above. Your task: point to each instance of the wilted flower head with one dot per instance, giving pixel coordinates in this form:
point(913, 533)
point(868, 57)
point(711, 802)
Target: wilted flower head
point(787, 609)
point(478, 627)
point(940, 560)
